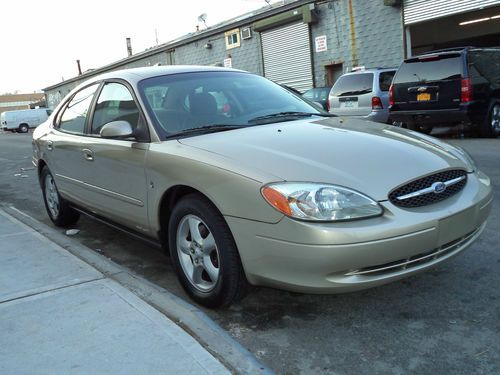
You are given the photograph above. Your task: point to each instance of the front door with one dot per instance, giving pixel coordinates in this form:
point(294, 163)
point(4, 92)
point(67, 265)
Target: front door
point(116, 177)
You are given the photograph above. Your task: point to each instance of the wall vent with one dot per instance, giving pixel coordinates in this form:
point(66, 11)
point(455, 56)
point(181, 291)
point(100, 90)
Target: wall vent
point(246, 33)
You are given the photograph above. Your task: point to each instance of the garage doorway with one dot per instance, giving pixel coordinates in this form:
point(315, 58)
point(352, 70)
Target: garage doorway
point(332, 73)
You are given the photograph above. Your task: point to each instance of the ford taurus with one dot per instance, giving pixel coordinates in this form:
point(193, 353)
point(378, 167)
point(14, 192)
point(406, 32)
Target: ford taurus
point(244, 182)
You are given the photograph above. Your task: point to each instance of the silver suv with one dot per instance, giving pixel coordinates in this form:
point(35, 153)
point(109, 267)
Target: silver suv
point(364, 93)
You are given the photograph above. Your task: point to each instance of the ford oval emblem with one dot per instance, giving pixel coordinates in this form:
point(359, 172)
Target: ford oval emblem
point(438, 187)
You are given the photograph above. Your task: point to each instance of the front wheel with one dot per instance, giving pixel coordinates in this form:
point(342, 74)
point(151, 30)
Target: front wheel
point(58, 209)
point(490, 127)
point(204, 253)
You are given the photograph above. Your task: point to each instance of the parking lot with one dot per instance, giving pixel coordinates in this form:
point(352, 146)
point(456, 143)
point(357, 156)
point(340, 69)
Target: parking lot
point(444, 321)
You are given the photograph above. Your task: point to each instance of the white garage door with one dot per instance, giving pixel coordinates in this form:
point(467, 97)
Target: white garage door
point(287, 56)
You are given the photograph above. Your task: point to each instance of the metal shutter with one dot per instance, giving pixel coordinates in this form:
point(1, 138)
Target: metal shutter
point(424, 10)
point(287, 56)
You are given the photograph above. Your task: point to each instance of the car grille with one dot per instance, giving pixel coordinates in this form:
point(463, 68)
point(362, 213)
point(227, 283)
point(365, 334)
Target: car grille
point(418, 259)
point(430, 189)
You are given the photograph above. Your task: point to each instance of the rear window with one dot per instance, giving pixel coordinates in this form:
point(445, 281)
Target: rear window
point(440, 68)
point(385, 80)
point(353, 84)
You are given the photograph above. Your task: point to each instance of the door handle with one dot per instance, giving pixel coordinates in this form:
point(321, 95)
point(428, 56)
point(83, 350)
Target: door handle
point(88, 154)
point(50, 145)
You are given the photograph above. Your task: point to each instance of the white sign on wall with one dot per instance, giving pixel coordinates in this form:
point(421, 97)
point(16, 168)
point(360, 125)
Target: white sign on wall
point(320, 43)
point(228, 63)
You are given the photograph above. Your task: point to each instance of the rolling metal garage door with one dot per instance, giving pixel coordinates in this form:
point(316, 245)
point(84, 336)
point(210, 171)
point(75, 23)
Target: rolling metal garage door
point(287, 56)
point(424, 10)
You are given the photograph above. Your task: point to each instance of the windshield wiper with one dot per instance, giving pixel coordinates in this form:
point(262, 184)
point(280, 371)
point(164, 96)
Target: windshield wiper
point(356, 92)
point(284, 116)
point(212, 128)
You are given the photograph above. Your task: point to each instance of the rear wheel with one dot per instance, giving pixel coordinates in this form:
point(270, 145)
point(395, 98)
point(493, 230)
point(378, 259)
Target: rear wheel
point(490, 127)
point(23, 128)
point(204, 253)
point(58, 209)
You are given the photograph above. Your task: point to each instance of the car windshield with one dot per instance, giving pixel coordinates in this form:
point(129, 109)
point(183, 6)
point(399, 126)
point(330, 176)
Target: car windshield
point(181, 103)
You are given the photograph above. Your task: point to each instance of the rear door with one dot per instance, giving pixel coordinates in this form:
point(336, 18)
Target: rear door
point(429, 82)
point(63, 146)
point(352, 95)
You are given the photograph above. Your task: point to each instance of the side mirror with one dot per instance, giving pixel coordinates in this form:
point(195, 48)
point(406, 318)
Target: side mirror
point(117, 129)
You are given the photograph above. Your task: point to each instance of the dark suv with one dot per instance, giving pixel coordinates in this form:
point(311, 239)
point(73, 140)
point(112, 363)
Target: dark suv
point(449, 87)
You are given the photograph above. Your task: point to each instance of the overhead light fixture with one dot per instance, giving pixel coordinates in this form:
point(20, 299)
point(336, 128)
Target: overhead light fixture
point(479, 20)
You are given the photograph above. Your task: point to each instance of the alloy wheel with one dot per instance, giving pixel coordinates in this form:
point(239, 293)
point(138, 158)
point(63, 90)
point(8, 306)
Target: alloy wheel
point(51, 196)
point(198, 253)
point(495, 118)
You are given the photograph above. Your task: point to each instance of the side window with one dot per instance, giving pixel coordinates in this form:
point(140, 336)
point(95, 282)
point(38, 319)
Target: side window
point(385, 80)
point(115, 103)
point(74, 116)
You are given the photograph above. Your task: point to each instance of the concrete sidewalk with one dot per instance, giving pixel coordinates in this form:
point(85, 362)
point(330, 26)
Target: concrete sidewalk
point(59, 315)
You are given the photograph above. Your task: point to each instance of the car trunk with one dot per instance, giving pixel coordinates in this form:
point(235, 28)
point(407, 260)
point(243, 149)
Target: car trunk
point(429, 82)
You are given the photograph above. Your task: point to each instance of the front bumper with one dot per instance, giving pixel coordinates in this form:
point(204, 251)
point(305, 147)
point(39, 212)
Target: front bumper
point(341, 257)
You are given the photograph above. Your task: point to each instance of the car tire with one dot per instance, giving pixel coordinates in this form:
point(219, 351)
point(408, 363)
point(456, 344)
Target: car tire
point(490, 127)
point(204, 253)
point(23, 128)
point(58, 209)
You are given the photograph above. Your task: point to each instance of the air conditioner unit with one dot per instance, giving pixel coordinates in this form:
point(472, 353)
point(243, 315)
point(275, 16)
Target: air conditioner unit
point(246, 33)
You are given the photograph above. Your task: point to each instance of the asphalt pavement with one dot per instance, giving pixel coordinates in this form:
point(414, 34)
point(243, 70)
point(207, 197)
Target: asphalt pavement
point(444, 321)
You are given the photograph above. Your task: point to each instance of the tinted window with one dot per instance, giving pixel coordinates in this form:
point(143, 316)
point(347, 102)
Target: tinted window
point(353, 84)
point(115, 103)
point(430, 69)
point(385, 80)
point(75, 114)
point(484, 66)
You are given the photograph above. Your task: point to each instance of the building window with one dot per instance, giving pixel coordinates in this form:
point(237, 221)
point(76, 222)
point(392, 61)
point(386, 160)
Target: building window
point(232, 38)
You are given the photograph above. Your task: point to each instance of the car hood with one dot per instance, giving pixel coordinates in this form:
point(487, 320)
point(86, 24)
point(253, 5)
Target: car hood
point(365, 156)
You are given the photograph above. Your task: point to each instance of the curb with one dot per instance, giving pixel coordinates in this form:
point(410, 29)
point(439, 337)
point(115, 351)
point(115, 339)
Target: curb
point(190, 318)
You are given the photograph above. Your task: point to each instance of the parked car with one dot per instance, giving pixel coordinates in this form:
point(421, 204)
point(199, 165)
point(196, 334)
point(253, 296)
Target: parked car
point(449, 87)
point(319, 95)
point(269, 191)
point(363, 93)
point(22, 120)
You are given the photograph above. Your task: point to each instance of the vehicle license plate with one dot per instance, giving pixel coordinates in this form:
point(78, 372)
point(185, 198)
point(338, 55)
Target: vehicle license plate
point(348, 103)
point(423, 97)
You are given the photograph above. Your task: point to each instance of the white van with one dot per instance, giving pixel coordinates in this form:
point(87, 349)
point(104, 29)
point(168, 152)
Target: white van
point(22, 120)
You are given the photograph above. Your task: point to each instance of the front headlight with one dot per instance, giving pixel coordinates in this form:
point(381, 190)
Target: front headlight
point(319, 202)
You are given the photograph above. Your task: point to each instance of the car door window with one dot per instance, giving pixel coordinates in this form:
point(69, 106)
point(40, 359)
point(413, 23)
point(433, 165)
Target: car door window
point(75, 114)
point(115, 103)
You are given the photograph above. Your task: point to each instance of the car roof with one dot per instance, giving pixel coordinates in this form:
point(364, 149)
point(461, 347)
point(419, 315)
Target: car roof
point(138, 74)
point(371, 70)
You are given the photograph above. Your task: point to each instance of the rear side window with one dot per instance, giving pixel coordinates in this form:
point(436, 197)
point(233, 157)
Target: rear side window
point(75, 114)
point(484, 65)
point(385, 80)
point(353, 84)
point(439, 68)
